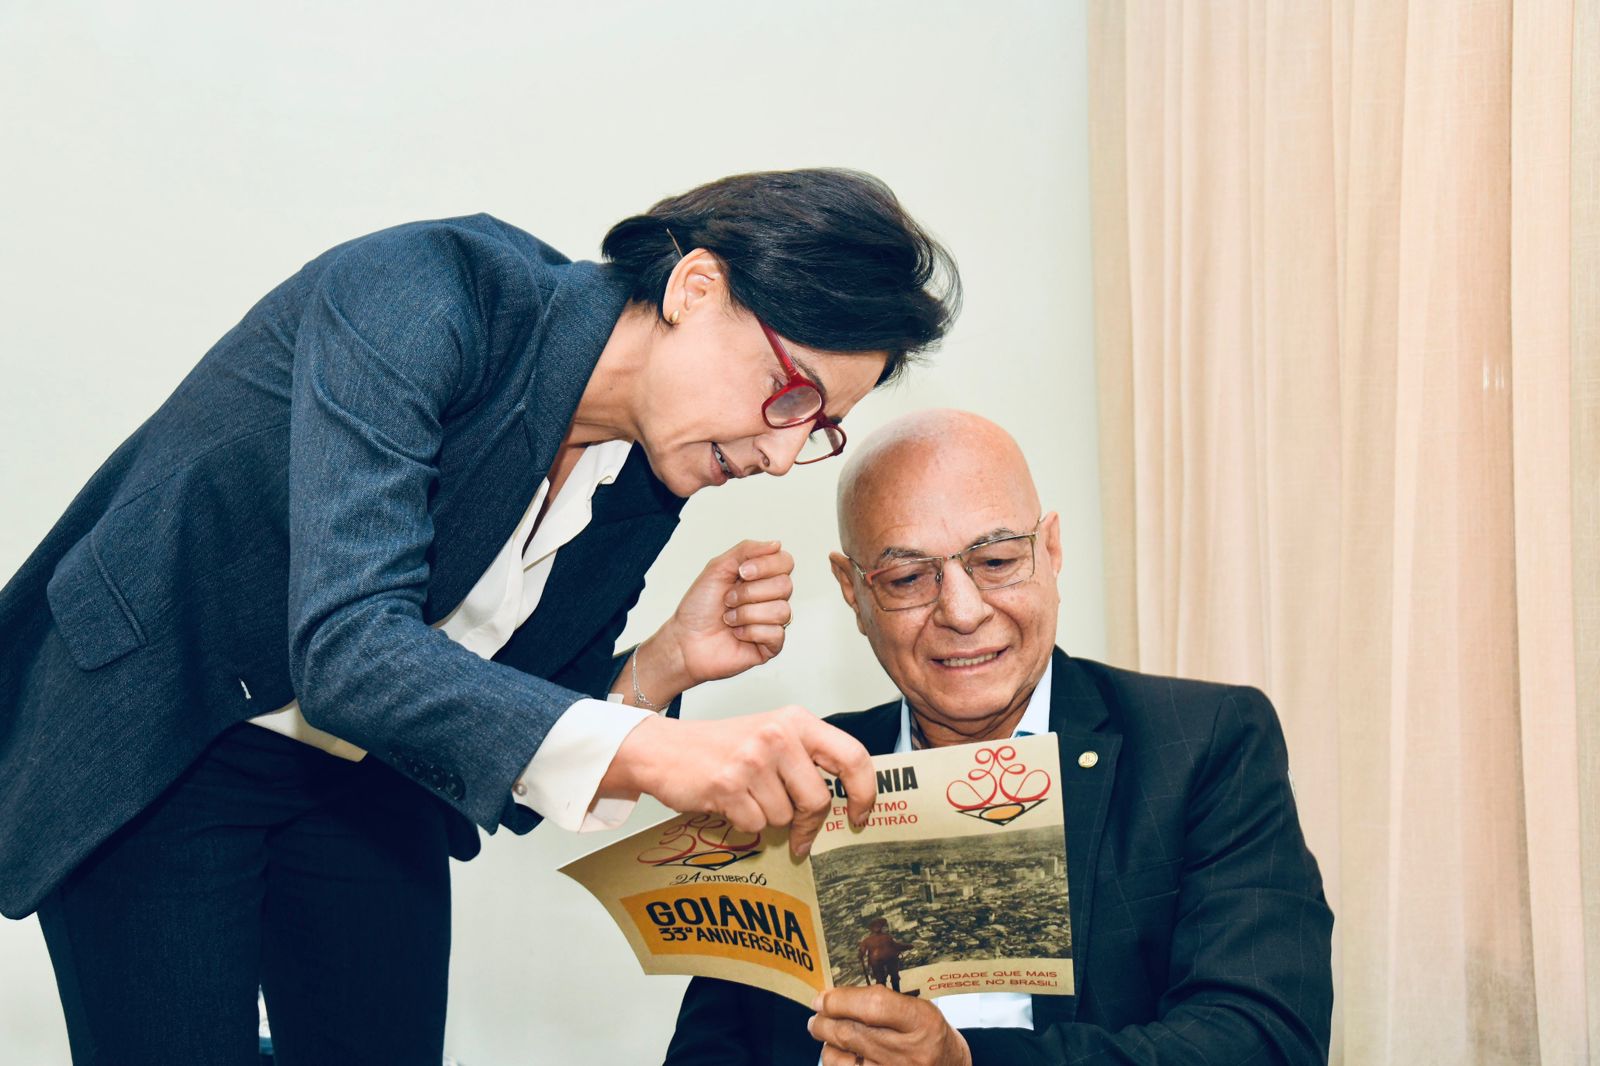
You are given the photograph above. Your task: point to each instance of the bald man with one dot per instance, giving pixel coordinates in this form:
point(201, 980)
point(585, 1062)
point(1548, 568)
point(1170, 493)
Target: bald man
point(1200, 932)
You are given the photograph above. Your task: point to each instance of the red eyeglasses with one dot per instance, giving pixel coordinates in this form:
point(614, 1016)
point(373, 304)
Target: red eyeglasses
point(798, 402)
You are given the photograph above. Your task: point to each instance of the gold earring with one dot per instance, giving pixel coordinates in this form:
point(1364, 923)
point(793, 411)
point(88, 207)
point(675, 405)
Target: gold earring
point(672, 319)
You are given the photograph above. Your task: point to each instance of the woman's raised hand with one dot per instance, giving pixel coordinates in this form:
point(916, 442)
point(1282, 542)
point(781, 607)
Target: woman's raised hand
point(732, 617)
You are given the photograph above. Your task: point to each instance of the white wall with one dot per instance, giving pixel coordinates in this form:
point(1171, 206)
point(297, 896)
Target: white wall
point(167, 163)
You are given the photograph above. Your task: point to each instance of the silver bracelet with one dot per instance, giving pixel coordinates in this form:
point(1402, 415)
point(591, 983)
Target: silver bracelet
point(639, 697)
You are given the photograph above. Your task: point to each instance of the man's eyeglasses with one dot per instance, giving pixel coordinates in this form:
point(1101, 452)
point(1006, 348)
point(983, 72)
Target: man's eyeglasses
point(992, 564)
point(798, 402)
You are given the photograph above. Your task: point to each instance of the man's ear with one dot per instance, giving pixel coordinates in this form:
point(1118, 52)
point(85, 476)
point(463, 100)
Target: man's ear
point(696, 282)
point(844, 572)
point(1050, 534)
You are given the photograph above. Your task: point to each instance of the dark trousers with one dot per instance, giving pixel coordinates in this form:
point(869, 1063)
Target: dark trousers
point(267, 863)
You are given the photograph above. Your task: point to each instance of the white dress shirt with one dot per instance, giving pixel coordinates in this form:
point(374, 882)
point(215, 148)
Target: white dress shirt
point(565, 772)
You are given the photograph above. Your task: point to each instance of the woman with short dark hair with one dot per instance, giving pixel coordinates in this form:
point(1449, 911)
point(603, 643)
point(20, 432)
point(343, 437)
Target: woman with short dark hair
point(834, 262)
point(356, 586)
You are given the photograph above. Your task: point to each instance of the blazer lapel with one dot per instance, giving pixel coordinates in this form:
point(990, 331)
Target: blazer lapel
point(573, 332)
point(877, 729)
point(474, 521)
point(1079, 717)
point(597, 571)
point(477, 519)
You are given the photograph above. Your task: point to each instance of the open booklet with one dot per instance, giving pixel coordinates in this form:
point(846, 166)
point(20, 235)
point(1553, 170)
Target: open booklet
point(958, 883)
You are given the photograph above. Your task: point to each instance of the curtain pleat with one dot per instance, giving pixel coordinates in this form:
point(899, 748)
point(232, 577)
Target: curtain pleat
point(1585, 458)
point(1346, 265)
point(1541, 141)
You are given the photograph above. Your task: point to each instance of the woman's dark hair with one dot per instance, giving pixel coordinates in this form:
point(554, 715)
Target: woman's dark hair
point(826, 257)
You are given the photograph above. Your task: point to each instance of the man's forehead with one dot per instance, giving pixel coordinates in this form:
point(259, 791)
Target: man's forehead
point(938, 532)
point(944, 478)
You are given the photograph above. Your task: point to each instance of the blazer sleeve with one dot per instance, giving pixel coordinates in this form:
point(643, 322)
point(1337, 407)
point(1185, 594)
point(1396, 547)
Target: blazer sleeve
point(595, 670)
point(720, 1024)
point(393, 339)
point(1250, 967)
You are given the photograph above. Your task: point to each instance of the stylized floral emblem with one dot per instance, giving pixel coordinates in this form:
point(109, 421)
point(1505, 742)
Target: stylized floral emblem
point(1000, 788)
point(701, 842)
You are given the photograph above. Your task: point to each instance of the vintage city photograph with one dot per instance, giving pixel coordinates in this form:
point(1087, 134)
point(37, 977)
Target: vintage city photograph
point(891, 907)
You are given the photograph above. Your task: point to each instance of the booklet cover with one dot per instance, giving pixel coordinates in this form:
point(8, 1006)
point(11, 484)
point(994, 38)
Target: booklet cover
point(958, 883)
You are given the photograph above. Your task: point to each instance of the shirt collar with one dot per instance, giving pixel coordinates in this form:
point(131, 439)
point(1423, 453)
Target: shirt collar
point(1036, 719)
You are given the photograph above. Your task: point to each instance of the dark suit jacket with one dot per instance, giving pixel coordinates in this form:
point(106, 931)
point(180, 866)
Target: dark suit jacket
point(332, 478)
point(1199, 930)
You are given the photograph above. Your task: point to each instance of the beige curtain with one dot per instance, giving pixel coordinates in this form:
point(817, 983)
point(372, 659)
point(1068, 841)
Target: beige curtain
point(1347, 269)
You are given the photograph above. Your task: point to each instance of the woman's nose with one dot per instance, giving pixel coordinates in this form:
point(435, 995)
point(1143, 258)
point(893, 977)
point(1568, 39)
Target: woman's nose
point(779, 448)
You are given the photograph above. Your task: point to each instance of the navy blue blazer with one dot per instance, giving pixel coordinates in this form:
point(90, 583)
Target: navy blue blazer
point(333, 477)
point(1199, 929)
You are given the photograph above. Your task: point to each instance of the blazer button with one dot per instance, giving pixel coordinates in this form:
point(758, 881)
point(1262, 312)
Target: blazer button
point(1088, 759)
